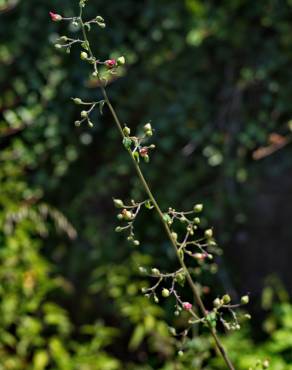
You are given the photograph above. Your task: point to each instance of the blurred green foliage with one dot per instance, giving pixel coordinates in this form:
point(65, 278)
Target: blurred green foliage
point(215, 81)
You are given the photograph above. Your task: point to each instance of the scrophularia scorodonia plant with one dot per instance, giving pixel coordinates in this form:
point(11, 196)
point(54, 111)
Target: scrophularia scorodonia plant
point(195, 246)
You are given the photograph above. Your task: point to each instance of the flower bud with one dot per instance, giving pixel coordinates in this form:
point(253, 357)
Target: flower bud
point(58, 46)
point(83, 55)
point(99, 19)
point(180, 353)
point(126, 131)
point(118, 229)
point(247, 316)
point(187, 306)
point(197, 220)
point(198, 208)
point(84, 114)
point(55, 17)
point(244, 299)
point(121, 61)
point(128, 215)
point(147, 127)
point(226, 299)
point(118, 203)
point(110, 63)
point(120, 217)
point(142, 270)
point(143, 151)
point(208, 233)
point(156, 300)
point(136, 243)
point(174, 236)
point(155, 271)
point(217, 302)
point(77, 123)
point(165, 293)
point(77, 101)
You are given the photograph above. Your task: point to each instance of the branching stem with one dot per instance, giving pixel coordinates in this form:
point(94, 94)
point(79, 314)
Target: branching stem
point(192, 284)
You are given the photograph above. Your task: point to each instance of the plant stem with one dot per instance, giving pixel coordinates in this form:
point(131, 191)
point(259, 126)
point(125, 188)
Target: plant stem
point(147, 189)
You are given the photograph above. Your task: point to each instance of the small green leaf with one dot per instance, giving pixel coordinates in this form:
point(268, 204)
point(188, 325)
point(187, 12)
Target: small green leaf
point(127, 142)
point(149, 204)
point(166, 218)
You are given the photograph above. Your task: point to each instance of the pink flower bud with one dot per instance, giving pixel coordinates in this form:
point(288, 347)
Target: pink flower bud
point(110, 63)
point(187, 306)
point(55, 17)
point(143, 151)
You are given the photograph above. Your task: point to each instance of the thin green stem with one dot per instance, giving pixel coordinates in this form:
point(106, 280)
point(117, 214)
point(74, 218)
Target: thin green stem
point(148, 191)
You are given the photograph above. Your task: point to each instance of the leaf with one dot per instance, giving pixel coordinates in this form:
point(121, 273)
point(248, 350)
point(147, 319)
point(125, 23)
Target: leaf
point(127, 142)
point(166, 218)
point(148, 204)
point(85, 45)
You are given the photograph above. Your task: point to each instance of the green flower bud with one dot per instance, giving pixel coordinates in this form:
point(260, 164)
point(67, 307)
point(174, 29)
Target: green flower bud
point(198, 208)
point(180, 353)
point(217, 302)
point(155, 271)
point(165, 293)
point(90, 123)
point(58, 46)
point(64, 38)
point(247, 316)
point(226, 299)
point(136, 243)
point(118, 203)
point(77, 123)
point(147, 127)
point(244, 299)
point(121, 61)
point(156, 300)
point(99, 19)
point(209, 233)
point(84, 55)
point(148, 133)
point(174, 236)
point(118, 229)
point(77, 100)
point(120, 217)
point(84, 114)
point(197, 220)
point(128, 215)
point(126, 131)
